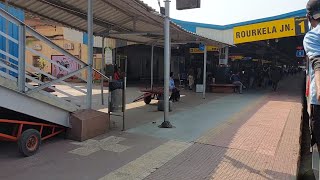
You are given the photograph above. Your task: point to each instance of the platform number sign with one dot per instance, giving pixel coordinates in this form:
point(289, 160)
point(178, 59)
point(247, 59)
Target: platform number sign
point(300, 53)
point(301, 24)
point(201, 47)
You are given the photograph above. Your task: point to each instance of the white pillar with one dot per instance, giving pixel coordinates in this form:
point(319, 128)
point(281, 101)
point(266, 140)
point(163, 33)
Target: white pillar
point(151, 70)
point(227, 55)
point(204, 71)
point(90, 54)
point(166, 59)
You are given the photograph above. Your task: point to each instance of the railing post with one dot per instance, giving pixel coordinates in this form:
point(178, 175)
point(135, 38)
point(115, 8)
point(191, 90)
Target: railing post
point(22, 63)
point(102, 69)
point(90, 54)
point(7, 33)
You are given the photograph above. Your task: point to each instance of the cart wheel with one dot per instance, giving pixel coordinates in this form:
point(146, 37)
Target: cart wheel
point(29, 142)
point(178, 97)
point(147, 99)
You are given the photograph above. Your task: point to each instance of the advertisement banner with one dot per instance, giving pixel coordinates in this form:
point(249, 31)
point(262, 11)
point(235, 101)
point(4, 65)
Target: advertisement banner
point(65, 62)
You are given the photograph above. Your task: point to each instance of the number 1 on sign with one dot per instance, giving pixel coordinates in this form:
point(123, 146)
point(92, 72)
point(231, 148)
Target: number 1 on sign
point(303, 27)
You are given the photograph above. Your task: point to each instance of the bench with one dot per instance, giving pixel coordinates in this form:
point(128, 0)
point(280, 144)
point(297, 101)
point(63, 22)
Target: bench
point(223, 88)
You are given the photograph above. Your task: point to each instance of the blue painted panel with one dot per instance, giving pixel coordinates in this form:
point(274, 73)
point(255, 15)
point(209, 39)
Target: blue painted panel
point(13, 32)
point(85, 38)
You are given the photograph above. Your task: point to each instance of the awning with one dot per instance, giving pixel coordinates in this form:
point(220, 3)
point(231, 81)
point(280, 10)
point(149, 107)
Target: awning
point(130, 20)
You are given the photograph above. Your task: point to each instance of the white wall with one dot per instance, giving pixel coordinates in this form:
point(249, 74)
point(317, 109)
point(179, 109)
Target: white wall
point(225, 36)
point(73, 35)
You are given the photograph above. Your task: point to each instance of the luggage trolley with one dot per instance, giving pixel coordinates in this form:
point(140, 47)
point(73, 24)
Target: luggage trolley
point(28, 135)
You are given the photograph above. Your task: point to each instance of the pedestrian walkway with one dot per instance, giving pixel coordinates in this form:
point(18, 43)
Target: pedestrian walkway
point(264, 147)
point(250, 136)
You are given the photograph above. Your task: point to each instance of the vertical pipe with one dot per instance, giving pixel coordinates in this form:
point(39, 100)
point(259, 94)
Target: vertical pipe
point(204, 71)
point(124, 95)
point(90, 54)
point(102, 70)
point(226, 55)
point(21, 63)
point(166, 59)
point(7, 33)
point(152, 58)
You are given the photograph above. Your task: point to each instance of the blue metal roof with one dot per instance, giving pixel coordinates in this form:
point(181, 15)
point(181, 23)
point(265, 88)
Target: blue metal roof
point(191, 26)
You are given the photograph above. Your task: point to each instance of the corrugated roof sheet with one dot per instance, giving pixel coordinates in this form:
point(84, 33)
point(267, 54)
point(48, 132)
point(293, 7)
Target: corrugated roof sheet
point(130, 20)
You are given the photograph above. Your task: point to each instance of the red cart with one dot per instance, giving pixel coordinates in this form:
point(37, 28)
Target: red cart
point(28, 135)
point(149, 94)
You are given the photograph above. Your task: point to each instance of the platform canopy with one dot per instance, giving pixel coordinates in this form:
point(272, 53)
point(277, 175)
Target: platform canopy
point(130, 20)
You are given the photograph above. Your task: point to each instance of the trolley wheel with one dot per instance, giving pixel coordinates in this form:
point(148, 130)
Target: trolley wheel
point(178, 97)
point(29, 142)
point(147, 99)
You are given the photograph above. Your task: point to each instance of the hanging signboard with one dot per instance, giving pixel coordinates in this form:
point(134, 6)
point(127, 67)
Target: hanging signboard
point(187, 4)
point(300, 53)
point(236, 57)
point(201, 47)
point(270, 30)
point(198, 51)
point(108, 56)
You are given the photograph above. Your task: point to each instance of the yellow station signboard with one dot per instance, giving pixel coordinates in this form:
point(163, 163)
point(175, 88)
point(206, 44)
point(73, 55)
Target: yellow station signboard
point(270, 30)
point(198, 51)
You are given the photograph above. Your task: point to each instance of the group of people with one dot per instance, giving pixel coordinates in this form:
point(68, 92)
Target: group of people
point(263, 77)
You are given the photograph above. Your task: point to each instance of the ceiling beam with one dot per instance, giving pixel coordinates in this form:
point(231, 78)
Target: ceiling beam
point(83, 15)
point(55, 21)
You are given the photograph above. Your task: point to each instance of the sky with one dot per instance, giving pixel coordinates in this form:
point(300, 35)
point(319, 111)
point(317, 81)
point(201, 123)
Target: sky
point(223, 12)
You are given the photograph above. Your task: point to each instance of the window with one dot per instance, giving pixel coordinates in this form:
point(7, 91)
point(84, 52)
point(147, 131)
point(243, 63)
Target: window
point(36, 61)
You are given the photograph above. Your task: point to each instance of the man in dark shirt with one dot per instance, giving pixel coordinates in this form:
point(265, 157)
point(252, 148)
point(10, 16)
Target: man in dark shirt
point(252, 77)
point(275, 77)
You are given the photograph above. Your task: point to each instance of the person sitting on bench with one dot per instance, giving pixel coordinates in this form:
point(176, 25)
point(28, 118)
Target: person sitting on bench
point(235, 79)
point(175, 93)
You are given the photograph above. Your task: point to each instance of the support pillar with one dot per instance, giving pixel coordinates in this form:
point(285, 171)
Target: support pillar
point(90, 54)
point(204, 72)
point(102, 69)
point(151, 70)
point(166, 123)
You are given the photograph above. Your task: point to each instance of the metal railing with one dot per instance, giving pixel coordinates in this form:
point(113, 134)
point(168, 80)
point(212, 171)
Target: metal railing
point(25, 74)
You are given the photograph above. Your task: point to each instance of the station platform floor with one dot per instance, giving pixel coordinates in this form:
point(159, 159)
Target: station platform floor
point(255, 135)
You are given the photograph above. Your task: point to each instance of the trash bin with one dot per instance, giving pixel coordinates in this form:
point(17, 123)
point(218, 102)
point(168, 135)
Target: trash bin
point(161, 105)
point(116, 88)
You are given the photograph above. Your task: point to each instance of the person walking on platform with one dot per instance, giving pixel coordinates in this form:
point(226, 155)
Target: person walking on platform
point(266, 76)
point(252, 77)
point(275, 78)
point(175, 92)
point(191, 79)
point(311, 44)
